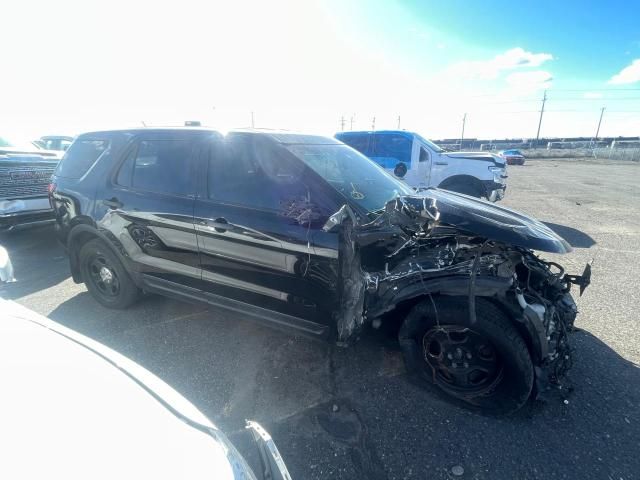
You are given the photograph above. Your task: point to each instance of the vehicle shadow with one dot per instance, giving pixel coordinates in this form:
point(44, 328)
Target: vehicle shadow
point(353, 413)
point(39, 261)
point(576, 238)
point(588, 429)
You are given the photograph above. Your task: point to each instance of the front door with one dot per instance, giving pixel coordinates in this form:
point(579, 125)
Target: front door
point(256, 219)
point(147, 207)
point(421, 163)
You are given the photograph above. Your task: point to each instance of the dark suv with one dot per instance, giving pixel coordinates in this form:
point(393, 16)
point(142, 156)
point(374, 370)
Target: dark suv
point(305, 232)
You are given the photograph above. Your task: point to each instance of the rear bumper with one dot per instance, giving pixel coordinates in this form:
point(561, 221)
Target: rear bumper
point(23, 213)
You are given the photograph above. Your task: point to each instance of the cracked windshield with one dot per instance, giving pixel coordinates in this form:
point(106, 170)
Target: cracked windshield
point(280, 239)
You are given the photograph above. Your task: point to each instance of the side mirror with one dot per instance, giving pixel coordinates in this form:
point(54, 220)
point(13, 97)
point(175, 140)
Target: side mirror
point(401, 170)
point(6, 269)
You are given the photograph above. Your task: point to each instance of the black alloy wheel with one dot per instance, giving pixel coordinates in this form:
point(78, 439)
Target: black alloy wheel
point(105, 277)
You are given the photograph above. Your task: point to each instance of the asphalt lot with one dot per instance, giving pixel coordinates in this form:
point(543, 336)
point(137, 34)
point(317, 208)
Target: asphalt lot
point(385, 426)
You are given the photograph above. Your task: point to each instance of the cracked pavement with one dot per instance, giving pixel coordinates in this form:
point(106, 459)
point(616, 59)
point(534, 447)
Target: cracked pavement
point(351, 412)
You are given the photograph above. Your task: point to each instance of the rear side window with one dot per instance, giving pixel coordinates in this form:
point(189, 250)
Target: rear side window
point(361, 142)
point(162, 166)
point(80, 156)
point(389, 149)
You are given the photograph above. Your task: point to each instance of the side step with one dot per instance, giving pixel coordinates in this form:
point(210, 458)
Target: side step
point(263, 315)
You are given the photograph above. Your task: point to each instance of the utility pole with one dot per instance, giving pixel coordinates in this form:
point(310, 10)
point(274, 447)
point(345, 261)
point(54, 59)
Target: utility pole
point(373, 124)
point(351, 123)
point(599, 123)
point(544, 100)
point(398, 122)
point(342, 123)
point(253, 125)
point(464, 120)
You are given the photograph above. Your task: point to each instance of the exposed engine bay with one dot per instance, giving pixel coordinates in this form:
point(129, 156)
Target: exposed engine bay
point(447, 244)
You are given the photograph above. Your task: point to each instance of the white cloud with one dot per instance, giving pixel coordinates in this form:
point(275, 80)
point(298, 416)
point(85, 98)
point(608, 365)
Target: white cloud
point(592, 95)
point(630, 74)
point(517, 57)
point(529, 81)
point(512, 59)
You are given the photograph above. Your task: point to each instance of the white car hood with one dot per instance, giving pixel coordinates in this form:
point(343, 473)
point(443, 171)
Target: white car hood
point(66, 412)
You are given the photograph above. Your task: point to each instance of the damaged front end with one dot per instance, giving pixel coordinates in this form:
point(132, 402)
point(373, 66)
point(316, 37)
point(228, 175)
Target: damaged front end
point(442, 244)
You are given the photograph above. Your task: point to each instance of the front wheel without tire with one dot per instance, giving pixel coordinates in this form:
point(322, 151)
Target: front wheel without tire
point(105, 276)
point(486, 365)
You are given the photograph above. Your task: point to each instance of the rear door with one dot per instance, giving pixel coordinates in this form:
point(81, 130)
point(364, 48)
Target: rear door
point(394, 151)
point(255, 218)
point(147, 207)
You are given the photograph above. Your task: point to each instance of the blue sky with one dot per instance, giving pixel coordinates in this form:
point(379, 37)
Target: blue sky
point(304, 65)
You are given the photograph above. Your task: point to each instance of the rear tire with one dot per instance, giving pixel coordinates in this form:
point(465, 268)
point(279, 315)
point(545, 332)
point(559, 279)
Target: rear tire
point(485, 366)
point(105, 276)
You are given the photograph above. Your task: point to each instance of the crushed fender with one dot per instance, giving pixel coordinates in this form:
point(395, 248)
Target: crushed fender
point(448, 244)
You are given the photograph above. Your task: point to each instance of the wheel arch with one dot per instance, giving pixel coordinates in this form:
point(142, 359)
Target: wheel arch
point(82, 233)
point(493, 289)
point(462, 179)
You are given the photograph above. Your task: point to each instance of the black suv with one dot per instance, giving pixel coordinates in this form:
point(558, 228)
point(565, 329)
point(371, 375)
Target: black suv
point(305, 232)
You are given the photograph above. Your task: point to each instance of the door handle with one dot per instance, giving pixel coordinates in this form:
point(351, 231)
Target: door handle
point(220, 225)
point(113, 203)
point(442, 163)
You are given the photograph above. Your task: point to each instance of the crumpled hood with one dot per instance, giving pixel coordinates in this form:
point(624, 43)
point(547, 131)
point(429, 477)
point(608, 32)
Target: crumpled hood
point(490, 221)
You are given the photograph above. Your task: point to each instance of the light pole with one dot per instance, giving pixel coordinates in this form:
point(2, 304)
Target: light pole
point(599, 122)
point(544, 100)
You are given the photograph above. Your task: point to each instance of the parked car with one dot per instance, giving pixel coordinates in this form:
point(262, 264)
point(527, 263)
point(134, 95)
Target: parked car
point(303, 231)
point(421, 163)
point(73, 408)
point(513, 157)
point(25, 171)
point(55, 142)
point(11, 147)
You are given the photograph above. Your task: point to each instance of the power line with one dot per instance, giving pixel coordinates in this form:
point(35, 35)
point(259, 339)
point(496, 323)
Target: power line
point(593, 89)
point(552, 90)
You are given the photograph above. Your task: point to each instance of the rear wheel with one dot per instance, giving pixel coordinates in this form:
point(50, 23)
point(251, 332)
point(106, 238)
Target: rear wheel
point(485, 365)
point(105, 276)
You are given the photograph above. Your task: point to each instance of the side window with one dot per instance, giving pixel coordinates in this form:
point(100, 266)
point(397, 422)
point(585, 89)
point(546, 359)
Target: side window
point(361, 142)
point(80, 157)
point(162, 166)
point(252, 174)
point(391, 149)
point(424, 155)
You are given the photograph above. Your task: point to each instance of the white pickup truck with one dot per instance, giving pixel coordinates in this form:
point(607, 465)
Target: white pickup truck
point(423, 164)
point(25, 172)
